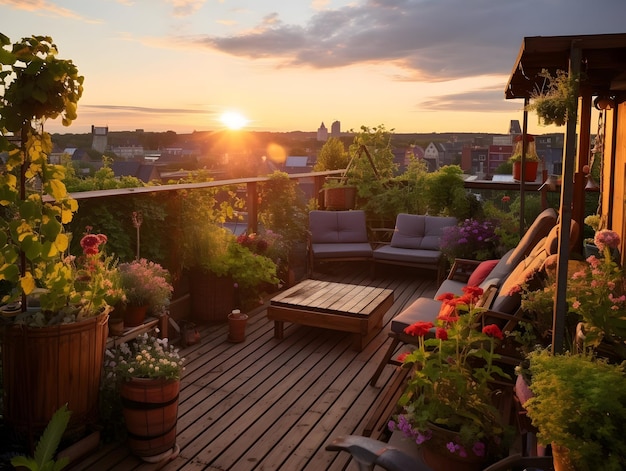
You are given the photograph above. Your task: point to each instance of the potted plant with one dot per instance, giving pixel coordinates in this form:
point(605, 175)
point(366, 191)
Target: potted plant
point(531, 159)
point(147, 288)
point(471, 239)
point(146, 374)
point(596, 298)
point(448, 405)
point(284, 219)
point(594, 221)
point(579, 406)
point(216, 261)
point(556, 102)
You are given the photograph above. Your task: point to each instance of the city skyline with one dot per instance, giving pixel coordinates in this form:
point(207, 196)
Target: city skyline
point(413, 65)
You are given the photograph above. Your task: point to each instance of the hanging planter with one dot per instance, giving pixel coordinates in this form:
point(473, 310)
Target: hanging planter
point(556, 102)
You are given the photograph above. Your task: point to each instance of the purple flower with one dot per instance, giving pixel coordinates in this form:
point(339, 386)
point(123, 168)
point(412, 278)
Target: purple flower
point(479, 449)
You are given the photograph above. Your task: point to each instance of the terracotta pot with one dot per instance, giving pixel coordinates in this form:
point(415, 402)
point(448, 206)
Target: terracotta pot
point(237, 326)
point(531, 171)
point(134, 315)
point(46, 367)
point(561, 458)
point(116, 326)
point(150, 408)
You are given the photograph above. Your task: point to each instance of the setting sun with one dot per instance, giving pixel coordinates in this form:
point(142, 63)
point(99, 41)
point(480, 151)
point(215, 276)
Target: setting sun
point(233, 120)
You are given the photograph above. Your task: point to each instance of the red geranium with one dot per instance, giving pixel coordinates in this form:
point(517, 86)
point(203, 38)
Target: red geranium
point(419, 329)
point(494, 331)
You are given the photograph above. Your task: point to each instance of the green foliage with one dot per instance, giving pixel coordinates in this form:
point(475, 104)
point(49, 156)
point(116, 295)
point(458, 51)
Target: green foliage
point(377, 140)
point(556, 101)
point(447, 195)
point(36, 86)
point(282, 208)
point(43, 460)
point(332, 156)
point(579, 402)
point(102, 179)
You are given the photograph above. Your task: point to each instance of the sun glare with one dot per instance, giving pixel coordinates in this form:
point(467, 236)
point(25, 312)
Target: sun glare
point(233, 120)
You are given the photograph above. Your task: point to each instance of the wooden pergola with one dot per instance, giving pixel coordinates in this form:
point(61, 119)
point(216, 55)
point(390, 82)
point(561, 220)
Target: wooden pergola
point(600, 61)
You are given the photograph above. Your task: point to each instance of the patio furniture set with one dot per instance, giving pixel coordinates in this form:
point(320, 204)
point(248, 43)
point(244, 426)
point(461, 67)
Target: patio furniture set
point(342, 235)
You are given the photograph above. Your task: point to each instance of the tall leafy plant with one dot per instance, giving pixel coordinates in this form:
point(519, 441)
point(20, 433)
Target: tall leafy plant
point(36, 86)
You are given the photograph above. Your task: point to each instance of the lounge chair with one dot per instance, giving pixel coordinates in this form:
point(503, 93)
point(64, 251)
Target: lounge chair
point(505, 304)
point(337, 236)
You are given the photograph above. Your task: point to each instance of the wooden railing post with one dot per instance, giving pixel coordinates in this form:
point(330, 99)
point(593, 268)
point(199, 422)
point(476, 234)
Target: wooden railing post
point(253, 207)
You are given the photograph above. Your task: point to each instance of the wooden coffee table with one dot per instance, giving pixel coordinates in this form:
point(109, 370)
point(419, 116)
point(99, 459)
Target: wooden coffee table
point(337, 306)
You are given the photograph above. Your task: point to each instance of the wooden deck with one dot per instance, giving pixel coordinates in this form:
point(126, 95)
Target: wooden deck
point(269, 404)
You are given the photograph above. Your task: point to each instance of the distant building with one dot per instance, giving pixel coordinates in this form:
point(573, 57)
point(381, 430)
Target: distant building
point(434, 155)
point(335, 129)
point(322, 133)
point(128, 152)
point(99, 137)
point(514, 127)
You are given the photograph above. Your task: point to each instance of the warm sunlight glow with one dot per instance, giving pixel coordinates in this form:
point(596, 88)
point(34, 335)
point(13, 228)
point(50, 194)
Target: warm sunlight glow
point(233, 120)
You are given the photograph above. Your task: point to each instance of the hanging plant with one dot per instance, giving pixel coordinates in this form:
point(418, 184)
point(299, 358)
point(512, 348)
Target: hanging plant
point(555, 102)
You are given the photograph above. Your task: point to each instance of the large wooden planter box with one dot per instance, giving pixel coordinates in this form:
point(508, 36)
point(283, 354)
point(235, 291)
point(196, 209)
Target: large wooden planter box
point(339, 198)
point(211, 297)
point(46, 367)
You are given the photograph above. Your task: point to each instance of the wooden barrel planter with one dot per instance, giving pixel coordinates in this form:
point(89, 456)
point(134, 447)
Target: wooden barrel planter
point(150, 408)
point(46, 367)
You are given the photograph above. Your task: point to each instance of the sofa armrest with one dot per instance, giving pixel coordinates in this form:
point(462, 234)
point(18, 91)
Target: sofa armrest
point(380, 236)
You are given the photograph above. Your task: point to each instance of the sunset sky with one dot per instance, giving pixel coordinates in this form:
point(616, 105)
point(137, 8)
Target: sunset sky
point(288, 65)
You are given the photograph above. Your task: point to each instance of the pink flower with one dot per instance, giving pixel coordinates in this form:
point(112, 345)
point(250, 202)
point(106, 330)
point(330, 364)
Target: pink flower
point(606, 238)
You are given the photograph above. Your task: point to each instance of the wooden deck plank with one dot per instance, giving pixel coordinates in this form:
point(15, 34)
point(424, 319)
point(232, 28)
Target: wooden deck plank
point(269, 404)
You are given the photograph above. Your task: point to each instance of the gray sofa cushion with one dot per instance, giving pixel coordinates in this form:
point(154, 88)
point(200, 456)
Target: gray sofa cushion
point(337, 227)
point(422, 309)
point(415, 231)
point(356, 249)
point(408, 232)
point(434, 227)
point(398, 254)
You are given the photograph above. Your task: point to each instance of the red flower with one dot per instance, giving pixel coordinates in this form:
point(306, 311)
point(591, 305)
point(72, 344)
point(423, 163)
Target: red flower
point(493, 330)
point(90, 244)
point(402, 356)
point(419, 329)
point(441, 333)
point(506, 199)
point(474, 292)
point(445, 297)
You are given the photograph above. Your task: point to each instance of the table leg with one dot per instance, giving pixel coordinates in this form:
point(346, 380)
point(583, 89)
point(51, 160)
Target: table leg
point(278, 329)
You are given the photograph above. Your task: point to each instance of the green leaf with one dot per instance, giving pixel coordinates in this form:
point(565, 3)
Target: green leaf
point(48, 443)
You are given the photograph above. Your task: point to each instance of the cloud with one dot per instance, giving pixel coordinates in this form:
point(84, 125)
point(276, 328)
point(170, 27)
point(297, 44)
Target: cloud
point(145, 110)
point(45, 7)
point(186, 7)
point(430, 40)
point(485, 100)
